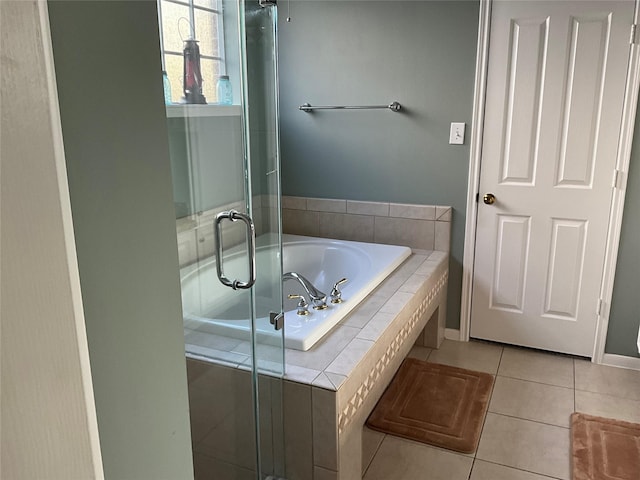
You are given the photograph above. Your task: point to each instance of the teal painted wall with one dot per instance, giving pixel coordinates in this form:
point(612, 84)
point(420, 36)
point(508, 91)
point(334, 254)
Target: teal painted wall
point(624, 317)
point(420, 53)
point(108, 70)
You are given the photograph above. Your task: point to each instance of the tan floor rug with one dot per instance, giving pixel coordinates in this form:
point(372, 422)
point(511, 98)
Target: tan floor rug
point(604, 449)
point(434, 404)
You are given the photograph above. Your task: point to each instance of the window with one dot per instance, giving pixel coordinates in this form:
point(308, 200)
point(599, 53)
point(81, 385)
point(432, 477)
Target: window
point(199, 19)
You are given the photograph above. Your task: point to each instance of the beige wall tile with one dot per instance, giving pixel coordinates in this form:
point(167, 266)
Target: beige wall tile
point(442, 240)
point(298, 430)
point(325, 429)
point(187, 252)
point(300, 222)
point(351, 356)
point(327, 205)
point(351, 453)
point(371, 441)
point(418, 212)
point(204, 467)
point(428, 267)
point(368, 208)
point(365, 311)
point(390, 286)
point(396, 303)
point(205, 244)
point(411, 264)
point(209, 404)
point(299, 374)
point(443, 213)
point(294, 203)
point(404, 231)
point(343, 226)
point(232, 440)
point(219, 356)
point(322, 381)
point(320, 473)
point(413, 283)
point(376, 326)
point(196, 369)
point(217, 342)
point(324, 352)
point(337, 380)
point(233, 233)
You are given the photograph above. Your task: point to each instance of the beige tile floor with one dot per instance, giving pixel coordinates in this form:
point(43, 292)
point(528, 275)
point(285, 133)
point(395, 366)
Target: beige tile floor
point(526, 431)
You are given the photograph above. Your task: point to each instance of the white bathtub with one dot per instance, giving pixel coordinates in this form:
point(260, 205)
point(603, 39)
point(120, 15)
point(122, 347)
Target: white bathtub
point(209, 306)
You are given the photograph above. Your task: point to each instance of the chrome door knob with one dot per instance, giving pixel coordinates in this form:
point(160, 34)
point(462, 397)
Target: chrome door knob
point(489, 198)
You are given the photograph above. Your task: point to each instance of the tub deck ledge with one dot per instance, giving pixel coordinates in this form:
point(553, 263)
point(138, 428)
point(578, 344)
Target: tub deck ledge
point(349, 369)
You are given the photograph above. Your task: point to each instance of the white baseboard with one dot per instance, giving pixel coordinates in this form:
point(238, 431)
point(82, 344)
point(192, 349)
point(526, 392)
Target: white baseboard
point(452, 334)
point(613, 360)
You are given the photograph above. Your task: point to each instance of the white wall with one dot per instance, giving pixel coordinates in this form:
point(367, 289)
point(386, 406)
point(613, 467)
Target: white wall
point(47, 414)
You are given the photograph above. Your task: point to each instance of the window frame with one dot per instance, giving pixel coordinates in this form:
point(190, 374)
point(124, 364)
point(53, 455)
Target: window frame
point(192, 7)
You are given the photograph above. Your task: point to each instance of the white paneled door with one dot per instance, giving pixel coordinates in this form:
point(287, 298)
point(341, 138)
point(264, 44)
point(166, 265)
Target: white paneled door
point(555, 90)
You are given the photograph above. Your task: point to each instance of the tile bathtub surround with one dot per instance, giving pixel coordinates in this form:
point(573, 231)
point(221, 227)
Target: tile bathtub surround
point(368, 322)
point(351, 366)
point(426, 227)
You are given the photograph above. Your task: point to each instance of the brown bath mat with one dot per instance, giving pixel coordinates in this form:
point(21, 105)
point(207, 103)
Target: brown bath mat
point(434, 404)
point(604, 449)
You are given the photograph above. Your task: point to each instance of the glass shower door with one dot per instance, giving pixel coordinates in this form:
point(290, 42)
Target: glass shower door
point(258, 22)
point(226, 176)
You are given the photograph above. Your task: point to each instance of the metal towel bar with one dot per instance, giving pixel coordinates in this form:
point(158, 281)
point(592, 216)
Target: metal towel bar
point(393, 106)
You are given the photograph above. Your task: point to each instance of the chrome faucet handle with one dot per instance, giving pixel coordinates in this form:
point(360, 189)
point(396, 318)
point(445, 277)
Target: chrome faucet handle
point(303, 306)
point(320, 303)
point(336, 294)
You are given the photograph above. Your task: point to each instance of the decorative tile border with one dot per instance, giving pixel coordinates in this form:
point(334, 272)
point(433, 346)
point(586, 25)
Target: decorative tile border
point(358, 398)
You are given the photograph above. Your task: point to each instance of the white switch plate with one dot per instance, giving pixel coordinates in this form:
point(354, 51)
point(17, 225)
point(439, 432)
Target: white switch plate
point(456, 135)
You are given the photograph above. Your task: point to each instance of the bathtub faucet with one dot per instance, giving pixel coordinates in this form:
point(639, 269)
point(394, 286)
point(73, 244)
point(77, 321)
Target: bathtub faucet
point(318, 298)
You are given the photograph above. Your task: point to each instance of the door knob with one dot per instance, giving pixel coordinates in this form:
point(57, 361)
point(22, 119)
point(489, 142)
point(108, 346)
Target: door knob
point(489, 198)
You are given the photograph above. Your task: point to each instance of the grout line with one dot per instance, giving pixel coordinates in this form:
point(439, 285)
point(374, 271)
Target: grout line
point(631, 399)
point(499, 364)
point(432, 447)
point(529, 420)
point(486, 414)
point(374, 455)
point(535, 381)
point(473, 464)
point(574, 385)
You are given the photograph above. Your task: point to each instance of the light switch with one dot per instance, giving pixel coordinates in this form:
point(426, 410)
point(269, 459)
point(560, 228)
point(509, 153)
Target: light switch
point(456, 135)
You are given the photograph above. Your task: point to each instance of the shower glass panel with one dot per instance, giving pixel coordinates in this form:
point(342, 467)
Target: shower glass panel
point(226, 158)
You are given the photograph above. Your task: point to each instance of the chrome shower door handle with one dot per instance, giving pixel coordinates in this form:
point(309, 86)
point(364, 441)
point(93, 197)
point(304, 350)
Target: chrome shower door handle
point(234, 216)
